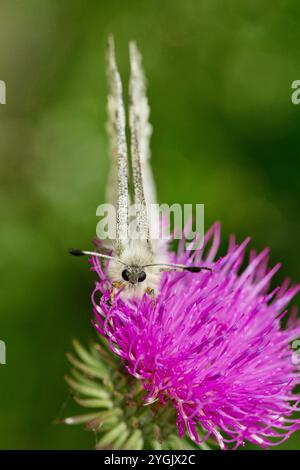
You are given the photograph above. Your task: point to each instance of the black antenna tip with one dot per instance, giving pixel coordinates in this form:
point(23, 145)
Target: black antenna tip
point(76, 252)
point(193, 269)
point(197, 269)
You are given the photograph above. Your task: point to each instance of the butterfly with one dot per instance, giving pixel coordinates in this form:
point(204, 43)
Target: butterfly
point(136, 262)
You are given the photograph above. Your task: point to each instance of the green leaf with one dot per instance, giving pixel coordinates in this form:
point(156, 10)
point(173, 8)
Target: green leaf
point(91, 391)
point(93, 402)
point(102, 417)
point(87, 369)
point(156, 445)
point(177, 443)
point(131, 444)
point(140, 444)
point(110, 436)
point(80, 419)
point(84, 355)
point(121, 439)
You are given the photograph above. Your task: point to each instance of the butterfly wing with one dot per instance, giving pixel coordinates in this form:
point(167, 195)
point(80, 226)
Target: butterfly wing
point(144, 187)
point(117, 189)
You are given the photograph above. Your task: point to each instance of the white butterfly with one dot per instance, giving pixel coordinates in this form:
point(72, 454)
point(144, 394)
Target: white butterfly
point(136, 263)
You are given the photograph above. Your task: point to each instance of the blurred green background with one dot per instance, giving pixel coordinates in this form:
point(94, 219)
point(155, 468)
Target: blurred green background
point(225, 134)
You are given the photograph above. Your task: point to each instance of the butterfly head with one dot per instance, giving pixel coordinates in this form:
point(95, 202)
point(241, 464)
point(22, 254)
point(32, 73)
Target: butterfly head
point(134, 274)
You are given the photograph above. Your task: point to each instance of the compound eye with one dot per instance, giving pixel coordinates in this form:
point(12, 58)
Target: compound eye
point(125, 275)
point(141, 276)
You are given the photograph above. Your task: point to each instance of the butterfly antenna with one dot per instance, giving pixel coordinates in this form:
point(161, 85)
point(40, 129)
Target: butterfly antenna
point(180, 267)
point(77, 252)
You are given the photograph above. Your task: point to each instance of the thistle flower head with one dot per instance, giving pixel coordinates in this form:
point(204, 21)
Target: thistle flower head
point(210, 344)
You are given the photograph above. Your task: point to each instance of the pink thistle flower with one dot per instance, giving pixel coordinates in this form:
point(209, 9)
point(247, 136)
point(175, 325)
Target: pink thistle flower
point(212, 344)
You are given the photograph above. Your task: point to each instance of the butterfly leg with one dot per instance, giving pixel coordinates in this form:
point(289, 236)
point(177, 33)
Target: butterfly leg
point(117, 285)
point(150, 292)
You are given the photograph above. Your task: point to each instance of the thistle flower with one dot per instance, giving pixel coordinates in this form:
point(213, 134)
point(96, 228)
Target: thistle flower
point(210, 345)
